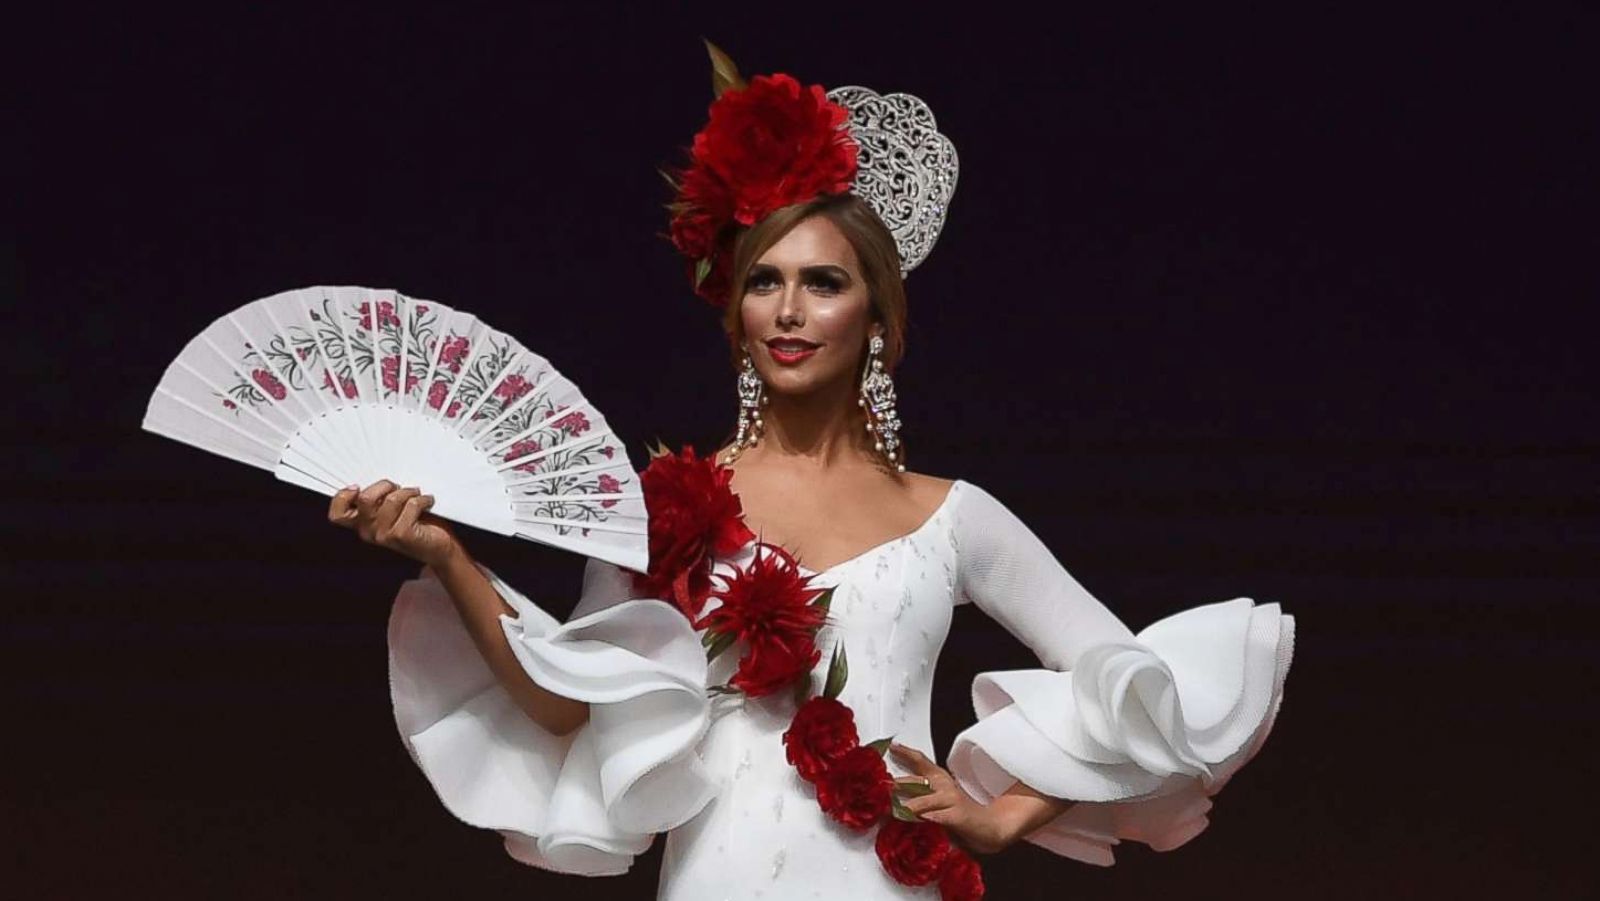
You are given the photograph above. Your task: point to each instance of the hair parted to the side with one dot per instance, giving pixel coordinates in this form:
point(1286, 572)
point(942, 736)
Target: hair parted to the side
point(874, 247)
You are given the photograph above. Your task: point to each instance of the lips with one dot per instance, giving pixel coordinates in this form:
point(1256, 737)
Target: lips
point(791, 350)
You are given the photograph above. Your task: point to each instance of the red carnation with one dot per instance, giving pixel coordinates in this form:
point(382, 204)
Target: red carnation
point(269, 383)
point(962, 879)
point(693, 515)
point(913, 853)
point(772, 664)
point(822, 731)
point(855, 789)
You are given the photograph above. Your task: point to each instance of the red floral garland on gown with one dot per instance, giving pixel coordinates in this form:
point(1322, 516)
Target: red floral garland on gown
point(773, 613)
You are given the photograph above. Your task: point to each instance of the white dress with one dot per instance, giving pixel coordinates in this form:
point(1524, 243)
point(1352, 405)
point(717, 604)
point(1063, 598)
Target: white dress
point(1140, 729)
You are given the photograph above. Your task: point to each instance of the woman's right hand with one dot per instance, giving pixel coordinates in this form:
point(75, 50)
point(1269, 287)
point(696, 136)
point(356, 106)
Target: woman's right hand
point(396, 518)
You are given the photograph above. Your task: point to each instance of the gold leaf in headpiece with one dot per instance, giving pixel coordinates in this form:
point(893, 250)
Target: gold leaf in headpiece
point(724, 74)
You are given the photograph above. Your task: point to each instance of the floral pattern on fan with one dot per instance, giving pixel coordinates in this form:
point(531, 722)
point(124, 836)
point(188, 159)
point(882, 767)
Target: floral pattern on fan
point(327, 386)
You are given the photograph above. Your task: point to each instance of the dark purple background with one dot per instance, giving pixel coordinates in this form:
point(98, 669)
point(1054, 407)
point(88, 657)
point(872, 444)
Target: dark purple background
point(1290, 306)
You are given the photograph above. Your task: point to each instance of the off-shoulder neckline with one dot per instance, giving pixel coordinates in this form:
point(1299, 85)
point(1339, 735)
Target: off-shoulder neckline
point(949, 495)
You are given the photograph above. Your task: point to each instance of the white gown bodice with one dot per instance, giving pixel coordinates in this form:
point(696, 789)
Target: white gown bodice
point(1140, 730)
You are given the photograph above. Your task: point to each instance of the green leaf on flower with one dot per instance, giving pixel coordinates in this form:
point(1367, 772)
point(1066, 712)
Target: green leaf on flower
point(881, 745)
point(824, 600)
point(838, 672)
point(901, 812)
point(720, 643)
point(802, 689)
point(702, 268)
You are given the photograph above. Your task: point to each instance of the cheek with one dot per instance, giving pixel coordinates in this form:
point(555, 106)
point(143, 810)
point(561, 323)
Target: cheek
point(844, 322)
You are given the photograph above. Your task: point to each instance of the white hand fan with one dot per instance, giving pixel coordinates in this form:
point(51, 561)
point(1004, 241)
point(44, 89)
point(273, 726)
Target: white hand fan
point(328, 387)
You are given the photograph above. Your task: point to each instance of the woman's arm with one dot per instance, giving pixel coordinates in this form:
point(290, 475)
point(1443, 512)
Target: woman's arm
point(396, 518)
point(480, 608)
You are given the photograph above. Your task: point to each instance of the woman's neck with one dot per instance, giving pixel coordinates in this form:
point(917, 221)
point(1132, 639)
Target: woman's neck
point(821, 429)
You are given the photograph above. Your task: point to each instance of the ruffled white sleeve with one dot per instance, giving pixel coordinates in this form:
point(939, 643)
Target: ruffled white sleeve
point(583, 803)
point(1139, 729)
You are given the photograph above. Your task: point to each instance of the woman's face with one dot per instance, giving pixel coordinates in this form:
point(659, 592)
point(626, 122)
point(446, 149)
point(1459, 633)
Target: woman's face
point(806, 310)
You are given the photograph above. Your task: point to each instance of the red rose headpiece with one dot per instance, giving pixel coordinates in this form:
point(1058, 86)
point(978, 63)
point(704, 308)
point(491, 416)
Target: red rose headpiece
point(768, 144)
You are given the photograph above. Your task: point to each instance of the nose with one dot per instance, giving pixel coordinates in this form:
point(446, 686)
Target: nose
point(791, 307)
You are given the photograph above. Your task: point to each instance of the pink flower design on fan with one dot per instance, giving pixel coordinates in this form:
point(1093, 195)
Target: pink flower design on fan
point(521, 449)
point(386, 315)
point(609, 485)
point(453, 352)
point(574, 423)
point(391, 375)
point(609, 451)
point(270, 384)
point(229, 405)
point(436, 395)
point(512, 388)
point(347, 385)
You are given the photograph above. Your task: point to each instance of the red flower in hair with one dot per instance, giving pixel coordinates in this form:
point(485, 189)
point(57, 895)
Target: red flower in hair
point(855, 789)
point(822, 731)
point(693, 515)
point(962, 879)
point(913, 853)
point(767, 145)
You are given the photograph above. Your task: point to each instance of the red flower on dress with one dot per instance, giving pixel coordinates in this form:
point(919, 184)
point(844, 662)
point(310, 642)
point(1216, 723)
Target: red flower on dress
point(962, 879)
point(693, 515)
point(913, 853)
point(822, 731)
point(855, 789)
point(768, 606)
point(767, 145)
point(771, 664)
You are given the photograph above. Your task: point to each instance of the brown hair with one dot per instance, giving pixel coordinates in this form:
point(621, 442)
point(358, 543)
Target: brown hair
point(874, 246)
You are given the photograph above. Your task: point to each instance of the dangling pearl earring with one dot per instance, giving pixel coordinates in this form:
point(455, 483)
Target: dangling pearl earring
point(877, 398)
point(752, 397)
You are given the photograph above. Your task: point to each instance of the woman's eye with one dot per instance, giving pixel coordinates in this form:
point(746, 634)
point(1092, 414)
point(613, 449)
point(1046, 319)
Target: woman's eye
point(763, 282)
point(826, 286)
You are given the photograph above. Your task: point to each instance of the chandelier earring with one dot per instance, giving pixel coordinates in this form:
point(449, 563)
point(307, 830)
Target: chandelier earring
point(877, 398)
point(752, 397)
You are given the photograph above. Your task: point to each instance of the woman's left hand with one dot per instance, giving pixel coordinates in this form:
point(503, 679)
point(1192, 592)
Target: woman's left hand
point(977, 826)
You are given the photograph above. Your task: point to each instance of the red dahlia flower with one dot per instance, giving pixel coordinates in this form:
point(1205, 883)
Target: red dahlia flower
point(693, 516)
point(913, 853)
point(768, 606)
point(855, 789)
point(822, 731)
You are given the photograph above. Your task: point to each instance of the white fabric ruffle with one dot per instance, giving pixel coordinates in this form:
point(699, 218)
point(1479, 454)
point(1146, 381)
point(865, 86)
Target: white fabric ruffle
point(583, 803)
point(1141, 733)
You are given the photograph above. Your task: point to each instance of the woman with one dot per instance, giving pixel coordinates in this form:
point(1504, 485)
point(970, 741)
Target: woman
point(580, 741)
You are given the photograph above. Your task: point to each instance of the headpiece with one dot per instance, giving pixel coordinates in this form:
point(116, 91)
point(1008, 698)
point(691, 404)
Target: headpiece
point(771, 143)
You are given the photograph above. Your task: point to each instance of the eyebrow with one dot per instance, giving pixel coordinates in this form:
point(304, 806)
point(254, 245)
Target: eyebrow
point(828, 269)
